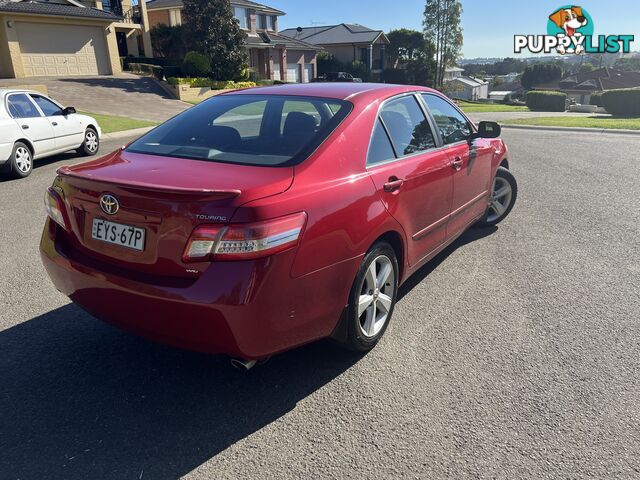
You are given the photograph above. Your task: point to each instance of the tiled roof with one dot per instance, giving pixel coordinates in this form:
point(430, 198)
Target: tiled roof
point(262, 40)
point(597, 80)
point(155, 4)
point(56, 10)
point(471, 82)
point(335, 34)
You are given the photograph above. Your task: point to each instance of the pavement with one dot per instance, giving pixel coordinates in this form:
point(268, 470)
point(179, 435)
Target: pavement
point(124, 95)
point(514, 354)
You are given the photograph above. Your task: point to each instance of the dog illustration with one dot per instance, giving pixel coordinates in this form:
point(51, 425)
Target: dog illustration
point(570, 20)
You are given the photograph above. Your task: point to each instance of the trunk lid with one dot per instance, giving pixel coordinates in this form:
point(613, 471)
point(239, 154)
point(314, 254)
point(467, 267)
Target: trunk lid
point(167, 197)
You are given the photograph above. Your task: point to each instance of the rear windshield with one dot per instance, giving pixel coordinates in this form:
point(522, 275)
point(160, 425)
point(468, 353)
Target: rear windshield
point(266, 130)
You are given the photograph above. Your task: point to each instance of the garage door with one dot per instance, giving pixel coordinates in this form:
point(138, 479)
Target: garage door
point(294, 74)
point(308, 72)
point(62, 50)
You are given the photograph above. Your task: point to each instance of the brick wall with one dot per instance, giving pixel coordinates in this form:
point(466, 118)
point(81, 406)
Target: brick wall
point(158, 17)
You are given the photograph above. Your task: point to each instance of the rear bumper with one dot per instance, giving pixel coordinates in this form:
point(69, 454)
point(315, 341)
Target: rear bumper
point(249, 309)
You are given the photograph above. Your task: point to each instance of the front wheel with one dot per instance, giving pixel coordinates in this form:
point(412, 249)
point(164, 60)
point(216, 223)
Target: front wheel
point(91, 143)
point(372, 298)
point(503, 198)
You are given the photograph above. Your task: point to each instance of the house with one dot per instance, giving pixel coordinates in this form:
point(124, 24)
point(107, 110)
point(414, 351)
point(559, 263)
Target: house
point(581, 86)
point(347, 43)
point(70, 37)
point(452, 73)
point(463, 87)
point(271, 55)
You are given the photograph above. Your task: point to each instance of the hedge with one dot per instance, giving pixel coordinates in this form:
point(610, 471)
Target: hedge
point(624, 102)
point(160, 62)
point(543, 101)
point(596, 99)
point(173, 71)
point(208, 83)
point(147, 69)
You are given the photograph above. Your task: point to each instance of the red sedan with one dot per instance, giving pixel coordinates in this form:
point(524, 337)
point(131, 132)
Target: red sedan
point(264, 219)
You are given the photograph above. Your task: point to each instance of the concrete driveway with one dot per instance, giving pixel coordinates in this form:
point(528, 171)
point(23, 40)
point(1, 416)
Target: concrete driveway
point(125, 95)
point(513, 354)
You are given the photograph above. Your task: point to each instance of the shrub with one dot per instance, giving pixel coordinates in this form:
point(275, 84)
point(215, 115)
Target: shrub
point(596, 99)
point(161, 62)
point(208, 83)
point(173, 71)
point(624, 102)
point(147, 69)
point(542, 101)
point(395, 75)
point(196, 65)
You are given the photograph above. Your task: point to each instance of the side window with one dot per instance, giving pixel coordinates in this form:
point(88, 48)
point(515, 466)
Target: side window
point(407, 126)
point(245, 119)
point(21, 106)
point(47, 106)
point(451, 123)
point(380, 149)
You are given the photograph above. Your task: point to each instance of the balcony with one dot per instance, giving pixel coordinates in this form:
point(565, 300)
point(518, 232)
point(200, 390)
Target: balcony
point(130, 14)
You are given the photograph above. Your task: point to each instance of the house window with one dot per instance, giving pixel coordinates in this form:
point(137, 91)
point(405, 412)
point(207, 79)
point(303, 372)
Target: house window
point(174, 18)
point(271, 23)
point(262, 25)
point(240, 15)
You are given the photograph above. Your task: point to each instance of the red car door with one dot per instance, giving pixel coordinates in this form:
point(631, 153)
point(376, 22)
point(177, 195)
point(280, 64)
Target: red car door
point(413, 178)
point(470, 161)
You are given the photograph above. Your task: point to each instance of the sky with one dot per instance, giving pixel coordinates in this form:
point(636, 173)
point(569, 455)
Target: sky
point(489, 25)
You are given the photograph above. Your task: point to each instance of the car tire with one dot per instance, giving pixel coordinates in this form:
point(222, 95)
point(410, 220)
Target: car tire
point(21, 160)
point(362, 331)
point(504, 192)
point(91, 143)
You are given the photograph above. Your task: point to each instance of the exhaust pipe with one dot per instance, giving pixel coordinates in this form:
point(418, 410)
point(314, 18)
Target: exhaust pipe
point(242, 364)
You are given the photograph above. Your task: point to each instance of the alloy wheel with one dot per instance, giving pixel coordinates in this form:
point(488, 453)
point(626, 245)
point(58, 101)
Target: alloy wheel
point(91, 141)
point(23, 159)
point(500, 199)
point(376, 296)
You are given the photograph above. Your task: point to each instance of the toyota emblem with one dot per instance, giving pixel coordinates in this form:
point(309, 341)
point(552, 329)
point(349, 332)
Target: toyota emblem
point(109, 204)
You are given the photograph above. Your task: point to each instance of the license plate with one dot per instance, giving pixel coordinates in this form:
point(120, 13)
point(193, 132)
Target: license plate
point(118, 234)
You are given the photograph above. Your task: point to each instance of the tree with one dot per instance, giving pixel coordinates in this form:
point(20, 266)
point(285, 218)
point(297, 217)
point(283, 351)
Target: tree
point(169, 42)
point(540, 73)
point(586, 68)
point(405, 45)
point(215, 33)
point(411, 52)
point(442, 27)
point(631, 64)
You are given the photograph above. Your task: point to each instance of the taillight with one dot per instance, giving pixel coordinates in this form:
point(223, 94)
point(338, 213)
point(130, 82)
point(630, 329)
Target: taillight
point(244, 241)
point(55, 207)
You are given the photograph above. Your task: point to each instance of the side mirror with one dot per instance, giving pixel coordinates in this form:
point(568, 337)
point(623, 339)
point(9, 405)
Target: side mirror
point(488, 130)
point(68, 111)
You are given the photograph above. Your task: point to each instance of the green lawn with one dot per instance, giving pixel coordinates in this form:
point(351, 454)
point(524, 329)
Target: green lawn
point(490, 107)
point(110, 123)
point(581, 122)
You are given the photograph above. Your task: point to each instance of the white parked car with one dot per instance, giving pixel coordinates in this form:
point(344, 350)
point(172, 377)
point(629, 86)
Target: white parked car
point(33, 126)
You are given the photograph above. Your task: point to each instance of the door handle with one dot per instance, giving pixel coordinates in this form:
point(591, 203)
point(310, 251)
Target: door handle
point(25, 127)
point(393, 184)
point(55, 124)
point(457, 164)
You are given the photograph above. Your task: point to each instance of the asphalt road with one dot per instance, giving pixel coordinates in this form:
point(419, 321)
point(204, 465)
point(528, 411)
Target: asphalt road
point(515, 354)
